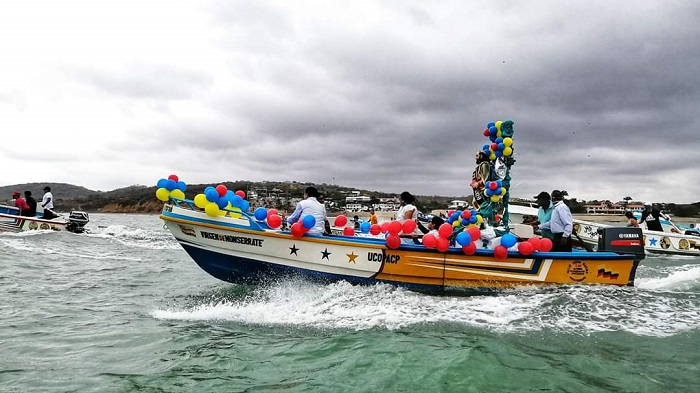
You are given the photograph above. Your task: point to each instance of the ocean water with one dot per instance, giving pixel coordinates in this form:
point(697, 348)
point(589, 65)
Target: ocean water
point(123, 308)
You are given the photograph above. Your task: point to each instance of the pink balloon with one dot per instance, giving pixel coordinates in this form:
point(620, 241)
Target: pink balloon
point(469, 249)
point(221, 190)
point(341, 221)
point(500, 252)
point(409, 226)
point(545, 244)
point(349, 231)
point(445, 230)
point(525, 248)
point(442, 244)
point(297, 229)
point(393, 241)
point(274, 221)
point(429, 241)
point(395, 227)
point(375, 229)
point(535, 241)
point(240, 193)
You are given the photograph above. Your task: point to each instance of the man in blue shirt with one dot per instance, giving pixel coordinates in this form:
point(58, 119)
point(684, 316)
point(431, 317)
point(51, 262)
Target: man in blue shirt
point(544, 214)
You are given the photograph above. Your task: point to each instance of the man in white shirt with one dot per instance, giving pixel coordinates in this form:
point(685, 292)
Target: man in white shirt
point(47, 203)
point(310, 205)
point(562, 223)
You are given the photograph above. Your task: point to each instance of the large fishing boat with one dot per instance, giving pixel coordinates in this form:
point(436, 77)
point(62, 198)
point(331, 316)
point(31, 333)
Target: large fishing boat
point(233, 245)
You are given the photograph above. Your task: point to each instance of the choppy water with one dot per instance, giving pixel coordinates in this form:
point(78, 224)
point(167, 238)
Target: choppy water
point(124, 308)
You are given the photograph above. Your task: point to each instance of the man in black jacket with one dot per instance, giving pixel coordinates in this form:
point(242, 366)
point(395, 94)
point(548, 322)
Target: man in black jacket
point(651, 216)
point(31, 212)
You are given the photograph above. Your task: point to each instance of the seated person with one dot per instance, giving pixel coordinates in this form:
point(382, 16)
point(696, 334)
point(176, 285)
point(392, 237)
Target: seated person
point(631, 221)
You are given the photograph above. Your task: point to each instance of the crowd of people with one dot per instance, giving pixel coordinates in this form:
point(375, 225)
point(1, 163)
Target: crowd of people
point(27, 205)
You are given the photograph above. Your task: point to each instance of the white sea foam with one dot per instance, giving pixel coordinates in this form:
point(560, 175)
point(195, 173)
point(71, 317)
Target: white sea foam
point(678, 278)
point(136, 237)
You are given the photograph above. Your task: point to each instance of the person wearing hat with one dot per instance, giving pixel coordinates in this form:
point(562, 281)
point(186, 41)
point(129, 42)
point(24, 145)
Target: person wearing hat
point(20, 203)
point(652, 216)
point(544, 214)
point(561, 224)
point(47, 203)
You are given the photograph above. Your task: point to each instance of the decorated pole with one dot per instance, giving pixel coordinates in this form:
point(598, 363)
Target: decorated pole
point(496, 172)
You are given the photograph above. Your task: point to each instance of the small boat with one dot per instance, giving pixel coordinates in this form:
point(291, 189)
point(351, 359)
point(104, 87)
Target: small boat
point(11, 221)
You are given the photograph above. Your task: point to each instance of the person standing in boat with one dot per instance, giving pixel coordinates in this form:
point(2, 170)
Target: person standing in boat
point(310, 205)
point(561, 223)
point(47, 204)
point(372, 217)
point(544, 214)
point(31, 202)
point(407, 211)
point(652, 216)
point(20, 203)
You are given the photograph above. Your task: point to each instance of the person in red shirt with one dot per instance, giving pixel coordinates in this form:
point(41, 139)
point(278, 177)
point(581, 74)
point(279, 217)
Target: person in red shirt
point(20, 203)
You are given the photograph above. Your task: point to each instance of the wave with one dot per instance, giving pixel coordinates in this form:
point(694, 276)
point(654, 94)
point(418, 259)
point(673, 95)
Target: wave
point(136, 237)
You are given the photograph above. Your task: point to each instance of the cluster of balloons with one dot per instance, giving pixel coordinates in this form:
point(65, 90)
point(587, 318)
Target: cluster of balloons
point(302, 226)
point(494, 190)
point(342, 221)
point(217, 201)
point(457, 218)
point(499, 145)
point(465, 239)
point(172, 187)
point(271, 217)
point(527, 247)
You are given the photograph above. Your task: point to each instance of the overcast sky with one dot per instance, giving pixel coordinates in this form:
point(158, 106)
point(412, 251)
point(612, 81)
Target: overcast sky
point(379, 95)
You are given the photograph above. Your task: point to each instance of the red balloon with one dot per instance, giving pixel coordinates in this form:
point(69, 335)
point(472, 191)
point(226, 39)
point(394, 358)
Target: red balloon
point(467, 214)
point(469, 249)
point(221, 190)
point(173, 177)
point(494, 146)
point(240, 193)
point(486, 132)
point(474, 232)
point(445, 230)
point(493, 185)
point(429, 241)
point(395, 227)
point(272, 212)
point(409, 226)
point(500, 252)
point(545, 244)
point(297, 229)
point(449, 213)
point(393, 241)
point(340, 221)
point(349, 231)
point(525, 248)
point(375, 229)
point(385, 226)
point(442, 244)
point(274, 221)
point(535, 241)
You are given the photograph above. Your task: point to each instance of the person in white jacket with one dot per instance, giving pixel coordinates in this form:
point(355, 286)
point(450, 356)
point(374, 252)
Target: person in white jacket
point(310, 205)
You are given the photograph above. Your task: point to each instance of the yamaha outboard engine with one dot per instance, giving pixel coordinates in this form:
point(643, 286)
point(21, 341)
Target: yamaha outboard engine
point(622, 240)
point(77, 221)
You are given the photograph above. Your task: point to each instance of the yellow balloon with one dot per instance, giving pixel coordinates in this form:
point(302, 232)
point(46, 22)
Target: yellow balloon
point(479, 220)
point(498, 134)
point(212, 209)
point(177, 194)
point(503, 191)
point(508, 141)
point(236, 212)
point(498, 126)
point(222, 213)
point(508, 151)
point(200, 200)
point(495, 198)
point(492, 156)
point(163, 194)
point(455, 224)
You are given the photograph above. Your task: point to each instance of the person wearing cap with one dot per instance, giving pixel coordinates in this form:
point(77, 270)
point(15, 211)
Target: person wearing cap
point(652, 216)
point(544, 214)
point(561, 224)
point(20, 203)
point(47, 203)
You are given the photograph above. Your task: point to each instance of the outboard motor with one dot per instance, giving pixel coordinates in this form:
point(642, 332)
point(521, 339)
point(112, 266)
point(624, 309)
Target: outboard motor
point(77, 221)
point(622, 240)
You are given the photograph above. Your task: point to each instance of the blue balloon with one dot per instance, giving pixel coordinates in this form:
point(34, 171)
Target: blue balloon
point(208, 188)
point(245, 205)
point(162, 183)
point(463, 238)
point(493, 130)
point(498, 153)
point(222, 202)
point(501, 146)
point(488, 192)
point(509, 240)
point(211, 195)
point(499, 140)
point(181, 186)
point(472, 220)
point(465, 222)
point(260, 213)
point(308, 221)
point(491, 124)
point(485, 148)
point(170, 184)
point(364, 227)
point(236, 201)
point(229, 195)
point(454, 216)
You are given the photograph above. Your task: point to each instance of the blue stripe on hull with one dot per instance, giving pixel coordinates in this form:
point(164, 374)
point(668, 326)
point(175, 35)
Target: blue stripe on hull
point(244, 271)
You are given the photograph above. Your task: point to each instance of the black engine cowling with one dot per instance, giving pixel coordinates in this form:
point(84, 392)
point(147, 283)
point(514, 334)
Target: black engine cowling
point(623, 240)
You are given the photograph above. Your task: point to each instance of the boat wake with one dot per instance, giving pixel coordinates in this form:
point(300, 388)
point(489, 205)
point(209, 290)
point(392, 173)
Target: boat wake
point(675, 278)
point(136, 237)
point(569, 310)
